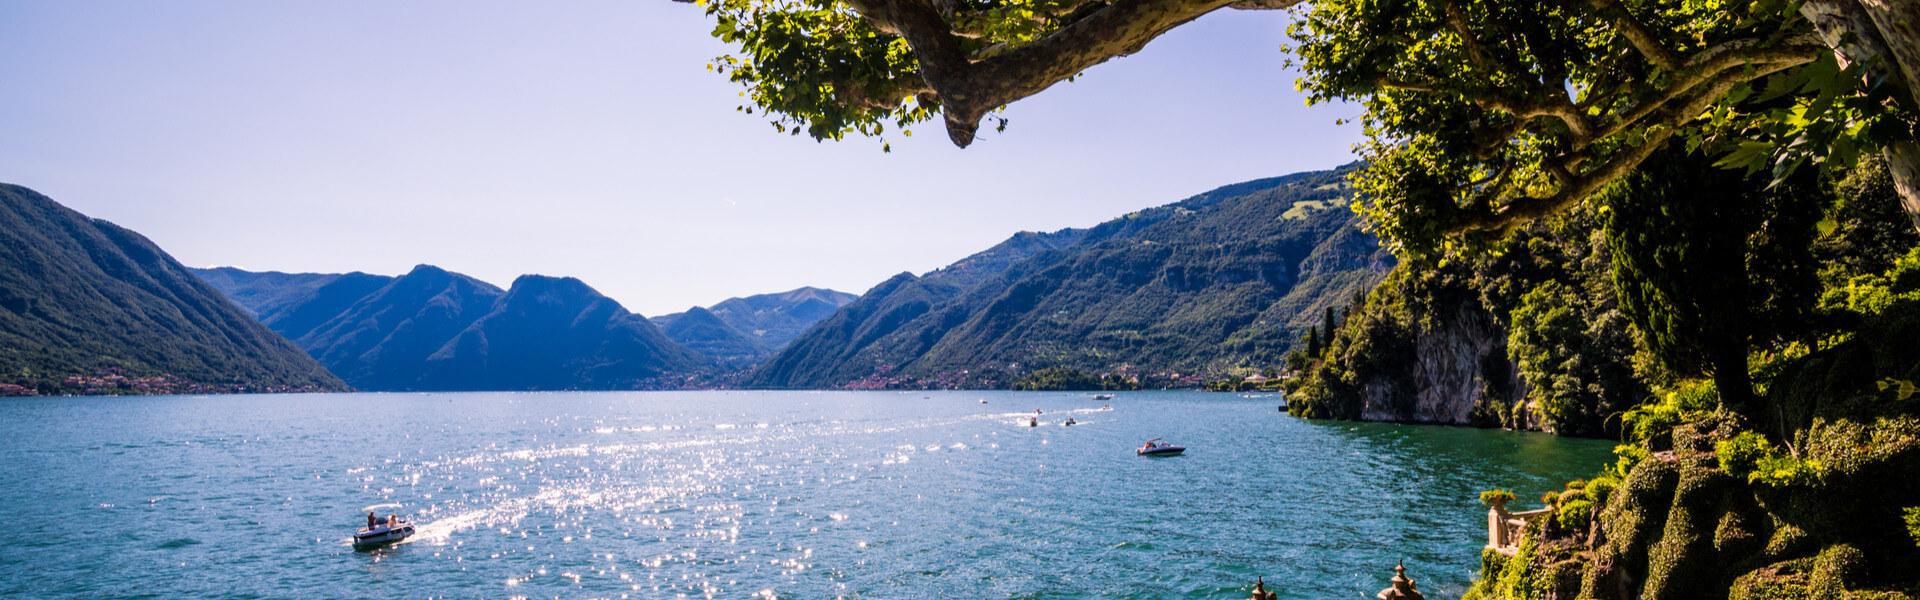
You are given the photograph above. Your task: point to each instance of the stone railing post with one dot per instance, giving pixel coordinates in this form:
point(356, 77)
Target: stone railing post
point(1497, 534)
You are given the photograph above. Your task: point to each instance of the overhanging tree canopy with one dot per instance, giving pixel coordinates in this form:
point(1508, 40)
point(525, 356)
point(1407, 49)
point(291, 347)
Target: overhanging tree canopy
point(1482, 114)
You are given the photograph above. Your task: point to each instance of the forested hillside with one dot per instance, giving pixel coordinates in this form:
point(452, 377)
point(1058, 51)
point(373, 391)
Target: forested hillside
point(1166, 296)
point(89, 307)
point(1751, 341)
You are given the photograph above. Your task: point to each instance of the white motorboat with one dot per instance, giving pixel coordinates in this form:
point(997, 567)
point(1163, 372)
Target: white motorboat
point(1156, 447)
point(1099, 397)
point(382, 532)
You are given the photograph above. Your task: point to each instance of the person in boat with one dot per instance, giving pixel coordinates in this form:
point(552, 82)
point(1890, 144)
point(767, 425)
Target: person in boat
point(371, 521)
point(393, 520)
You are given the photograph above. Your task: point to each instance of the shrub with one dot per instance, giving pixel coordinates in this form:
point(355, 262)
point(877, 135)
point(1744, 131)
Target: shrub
point(1630, 455)
point(1493, 498)
point(1751, 456)
point(1913, 523)
point(1602, 488)
point(1571, 496)
point(1740, 455)
point(1676, 405)
point(1575, 514)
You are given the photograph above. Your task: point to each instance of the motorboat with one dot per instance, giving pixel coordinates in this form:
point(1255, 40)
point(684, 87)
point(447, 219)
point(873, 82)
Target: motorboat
point(1033, 421)
point(1101, 397)
point(1069, 422)
point(384, 531)
point(1156, 447)
point(382, 534)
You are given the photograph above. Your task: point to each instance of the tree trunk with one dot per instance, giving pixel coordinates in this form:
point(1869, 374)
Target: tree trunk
point(1731, 379)
point(1883, 35)
point(1903, 162)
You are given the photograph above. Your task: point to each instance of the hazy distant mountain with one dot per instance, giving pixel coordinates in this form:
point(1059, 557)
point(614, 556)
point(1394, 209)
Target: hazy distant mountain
point(86, 299)
point(557, 333)
point(753, 327)
point(293, 304)
point(702, 331)
point(1221, 280)
point(432, 329)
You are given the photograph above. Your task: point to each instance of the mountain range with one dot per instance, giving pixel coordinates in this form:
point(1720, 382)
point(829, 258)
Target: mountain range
point(89, 307)
point(740, 332)
point(1171, 295)
point(432, 329)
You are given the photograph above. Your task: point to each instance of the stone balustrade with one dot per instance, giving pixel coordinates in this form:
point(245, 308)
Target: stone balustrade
point(1504, 528)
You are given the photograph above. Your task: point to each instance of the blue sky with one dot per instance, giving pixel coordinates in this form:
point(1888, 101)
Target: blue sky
point(587, 139)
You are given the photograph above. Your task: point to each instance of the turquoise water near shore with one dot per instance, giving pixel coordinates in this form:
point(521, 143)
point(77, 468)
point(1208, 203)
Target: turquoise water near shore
point(744, 494)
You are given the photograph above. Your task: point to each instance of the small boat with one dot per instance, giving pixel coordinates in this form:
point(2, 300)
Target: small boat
point(1099, 397)
point(1033, 421)
point(383, 532)
point(1155, 447)
point(1069, 422)
point(983, 400)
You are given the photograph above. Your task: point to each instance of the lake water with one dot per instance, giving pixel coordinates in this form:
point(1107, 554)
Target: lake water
point(743, 494)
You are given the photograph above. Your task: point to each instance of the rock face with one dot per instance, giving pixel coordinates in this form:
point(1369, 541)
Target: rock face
point(1460, 366)
point(1165, 296)
point(1454, 342)
point(89, 307)
point(432, 329)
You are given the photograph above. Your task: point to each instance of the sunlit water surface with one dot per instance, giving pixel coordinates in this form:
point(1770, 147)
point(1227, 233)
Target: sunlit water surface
point(743, 494)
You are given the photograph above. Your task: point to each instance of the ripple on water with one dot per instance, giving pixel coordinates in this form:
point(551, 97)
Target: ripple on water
point(751, 494)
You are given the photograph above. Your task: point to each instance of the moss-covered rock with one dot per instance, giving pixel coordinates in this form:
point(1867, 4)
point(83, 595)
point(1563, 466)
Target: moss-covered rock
point(1679, 524)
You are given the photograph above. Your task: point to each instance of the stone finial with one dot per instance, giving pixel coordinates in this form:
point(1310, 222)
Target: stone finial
point(1402, 588)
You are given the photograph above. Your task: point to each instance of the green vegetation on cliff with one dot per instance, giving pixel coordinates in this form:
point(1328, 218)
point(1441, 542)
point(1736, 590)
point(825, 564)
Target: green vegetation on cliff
point(1526, 336)
point(1799, 483)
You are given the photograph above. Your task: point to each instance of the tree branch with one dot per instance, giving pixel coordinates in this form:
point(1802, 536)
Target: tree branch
point(1576, 187)
point(969, 87)
point(1711, 63)
point(1638, 35)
